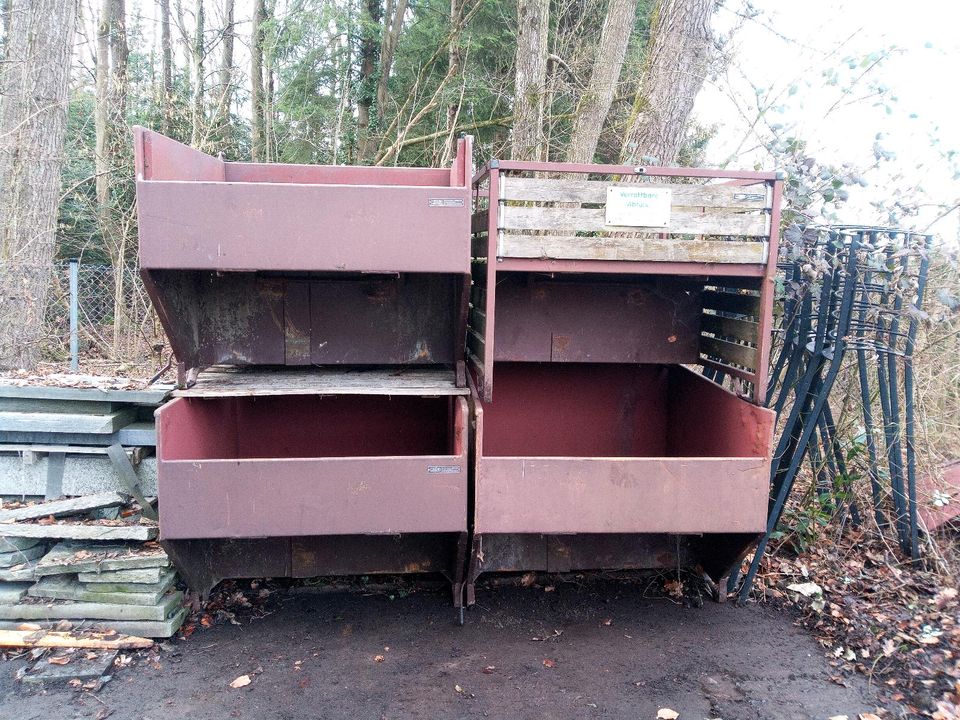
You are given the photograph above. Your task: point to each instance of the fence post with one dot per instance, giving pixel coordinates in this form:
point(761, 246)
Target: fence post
point(74, 313)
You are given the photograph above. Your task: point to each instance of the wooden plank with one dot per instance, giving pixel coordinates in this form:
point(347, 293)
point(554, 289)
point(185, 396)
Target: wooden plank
point(730, 352)
point(70, 557)
point(59, 508)
point(478, 320)
point(143, 628)
point(730, 327)
point(714, 221)
point(732, 303)
point(66, 422)
point(570, 247)
point(55, 639)
point(476, 344)
point(66, 610)
point(478, 295)
point(229, 382)
point(78, 531)
point(570, 189)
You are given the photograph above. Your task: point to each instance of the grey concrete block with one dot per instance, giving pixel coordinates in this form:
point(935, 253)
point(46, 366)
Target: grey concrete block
point(12, 593)
point(67, 610)
point(109, 577)
point(82, 475)
point(142, 628)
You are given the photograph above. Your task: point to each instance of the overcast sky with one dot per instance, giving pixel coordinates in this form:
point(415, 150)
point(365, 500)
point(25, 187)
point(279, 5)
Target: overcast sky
point(793, 43)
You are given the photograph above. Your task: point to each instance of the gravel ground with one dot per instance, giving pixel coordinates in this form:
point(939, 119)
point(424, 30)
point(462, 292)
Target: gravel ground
point(591, 649)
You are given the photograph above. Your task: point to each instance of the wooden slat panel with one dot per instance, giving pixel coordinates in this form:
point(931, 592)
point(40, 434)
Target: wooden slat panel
point(731, 352)
point(479, 221)
point(595, 191)
point(478, 295)
point(478, 320)
point(476, 344)
point(730, 327)
point(713, 221)
point(570, 247)
point(733, 303)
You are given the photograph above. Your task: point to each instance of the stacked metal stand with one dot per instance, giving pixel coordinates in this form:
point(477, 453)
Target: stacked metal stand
point(318, 316)
point(325, 319)
point(593, 288)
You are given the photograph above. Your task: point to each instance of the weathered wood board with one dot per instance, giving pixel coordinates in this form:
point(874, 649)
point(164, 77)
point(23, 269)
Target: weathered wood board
point(78, 531)
point(575, 190)
point(682, 222)
point(59, 508)
point(650, 249)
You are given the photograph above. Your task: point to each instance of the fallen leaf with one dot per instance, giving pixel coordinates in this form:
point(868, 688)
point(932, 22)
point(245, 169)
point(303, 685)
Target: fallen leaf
point(528, 579)
point(240, 682)
point(75, 683)
point(868, 716)
point(378, 658)
point(606, 622)
point(549, 663)
point(458, 688)
point(58, 660)
point(489, 669)
point(838, 717)
point(667, 714)
point(103, 713)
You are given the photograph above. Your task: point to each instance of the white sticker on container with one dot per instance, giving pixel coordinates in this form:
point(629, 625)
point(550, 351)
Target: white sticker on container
point(445, 202)
point(443, 469)
point(639, 206)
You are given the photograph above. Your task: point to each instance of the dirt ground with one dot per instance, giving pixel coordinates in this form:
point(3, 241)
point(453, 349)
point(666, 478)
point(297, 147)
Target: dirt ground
point(592, 649)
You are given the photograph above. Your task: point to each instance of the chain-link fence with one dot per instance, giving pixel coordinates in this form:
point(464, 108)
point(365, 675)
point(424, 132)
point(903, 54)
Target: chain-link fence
point(115, 320)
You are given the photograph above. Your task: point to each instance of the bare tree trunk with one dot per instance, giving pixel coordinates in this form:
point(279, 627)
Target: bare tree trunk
point(197, 119)
point(455, 61)
point(222, 120)
point(4, 25)
point(392, 24)
point(269, 57)
point(533, 25)
point(602, 86)
point(257, 134)
point(33, 121)
point(166, 49)
point(367, 92)
point(101, 117)
point(678, 55)
point(119, 58)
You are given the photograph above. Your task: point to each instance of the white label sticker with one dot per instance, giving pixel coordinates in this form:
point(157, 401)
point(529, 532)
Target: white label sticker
point(639, 206)
point(443, 469)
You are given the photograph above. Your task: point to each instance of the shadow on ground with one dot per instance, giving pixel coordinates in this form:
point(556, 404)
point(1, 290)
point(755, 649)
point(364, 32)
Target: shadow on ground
point(599, 649)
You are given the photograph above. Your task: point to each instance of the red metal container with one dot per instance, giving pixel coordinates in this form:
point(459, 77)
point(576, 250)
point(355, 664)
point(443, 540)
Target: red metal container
point(594, 446)
point(331, 437)
point(260, 264)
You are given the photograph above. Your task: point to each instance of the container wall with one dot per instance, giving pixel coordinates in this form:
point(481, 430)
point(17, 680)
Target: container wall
point(307, 426)
point(297, 466)
point(309, 319)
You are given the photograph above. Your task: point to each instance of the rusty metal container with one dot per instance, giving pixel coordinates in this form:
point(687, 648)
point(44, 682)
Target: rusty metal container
point(318, 315)
point(593, 287)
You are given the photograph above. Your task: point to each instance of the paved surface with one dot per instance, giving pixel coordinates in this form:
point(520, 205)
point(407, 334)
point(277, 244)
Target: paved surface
point(598, 649)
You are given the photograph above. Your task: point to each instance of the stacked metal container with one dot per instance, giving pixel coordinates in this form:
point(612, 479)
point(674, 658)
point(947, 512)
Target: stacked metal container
point(318, 315)
point(595, 289)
